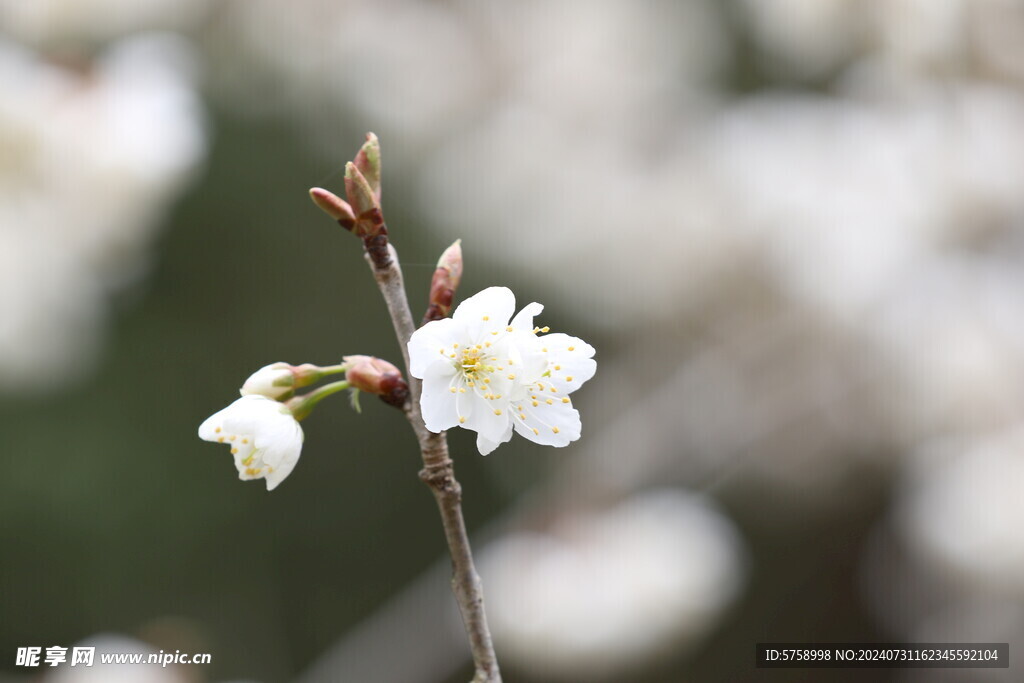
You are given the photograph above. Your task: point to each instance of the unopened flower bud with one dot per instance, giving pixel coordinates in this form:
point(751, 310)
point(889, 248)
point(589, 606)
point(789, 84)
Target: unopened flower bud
point(360, 194)
point(334, 206)
point(279, 380)
point(368, 163)
point(444, 283)
point(376, 376)
point(274, 381)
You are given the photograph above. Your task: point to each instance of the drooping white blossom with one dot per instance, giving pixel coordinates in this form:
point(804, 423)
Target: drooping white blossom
point(492, 373)
point(264, 437)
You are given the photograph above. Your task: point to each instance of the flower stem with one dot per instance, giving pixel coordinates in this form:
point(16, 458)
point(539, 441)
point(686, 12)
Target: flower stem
point(302, 406)
point(439, 474)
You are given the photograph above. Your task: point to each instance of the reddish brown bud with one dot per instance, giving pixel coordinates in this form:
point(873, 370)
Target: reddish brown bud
point(444, 283)
point(334, 206)
point(368, 163)
point(377, 376)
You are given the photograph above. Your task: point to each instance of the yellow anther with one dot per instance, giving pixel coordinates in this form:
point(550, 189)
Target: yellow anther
point(220, 439)
point(535, 431)
point(568, 378)
point(452, 389)
point(544, 350)
point(545, 329)
point(232, 437)
point(497, 412)
point(522, 416)
point(245, 440)
point(540, 385)
point(565, 399)
point(495, 332)
point(534, 398)
point(498, 396)
point(558, 367)
point(510, 362)
point(461, 390)
point(535, 404)
point(548, 401)
point(455, 345)
point(248, 461)
point(451, 355)
point(487, 380)
point(462, 420)
point(572, 348)
point(511, 376)
point(251, 472)
point(509, 329)
point(233, 451)
point(487, 344)
point(554, 429)
point(217, 430)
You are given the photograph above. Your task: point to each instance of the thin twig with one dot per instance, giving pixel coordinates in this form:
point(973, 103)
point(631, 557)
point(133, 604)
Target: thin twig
point(439, 474)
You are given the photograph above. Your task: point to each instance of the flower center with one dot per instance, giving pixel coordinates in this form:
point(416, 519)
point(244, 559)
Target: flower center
point(473, 364)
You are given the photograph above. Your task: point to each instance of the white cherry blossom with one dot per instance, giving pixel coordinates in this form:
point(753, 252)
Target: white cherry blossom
point(492, 373)
point(264, 437)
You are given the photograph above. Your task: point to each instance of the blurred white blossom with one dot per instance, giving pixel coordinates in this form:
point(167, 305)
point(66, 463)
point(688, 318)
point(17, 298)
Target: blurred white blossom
point(92, 157)
point(58, 23)
point(605, 591)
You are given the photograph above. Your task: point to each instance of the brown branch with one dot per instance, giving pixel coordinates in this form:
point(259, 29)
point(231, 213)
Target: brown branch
point(439, 474)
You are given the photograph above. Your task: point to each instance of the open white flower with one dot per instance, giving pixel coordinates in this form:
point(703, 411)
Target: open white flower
point(489, 374)
point(264, 437)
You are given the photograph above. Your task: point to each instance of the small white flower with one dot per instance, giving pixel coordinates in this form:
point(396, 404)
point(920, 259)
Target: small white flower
point(273, 381)
point(264, 437)
point(491, 375)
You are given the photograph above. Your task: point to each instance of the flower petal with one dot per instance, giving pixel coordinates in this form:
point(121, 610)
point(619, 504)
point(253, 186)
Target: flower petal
point(547, 420)
point(490, 419)
point(524, 318)
point(485, 445)
point(485, 312)
point(427, 341)
point(439, 404)
point(570, 362)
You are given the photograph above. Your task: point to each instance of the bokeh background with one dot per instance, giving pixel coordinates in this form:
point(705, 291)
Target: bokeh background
point(793, 229)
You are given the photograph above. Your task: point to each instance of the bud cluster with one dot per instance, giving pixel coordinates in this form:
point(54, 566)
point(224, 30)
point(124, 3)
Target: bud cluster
point(361, 214)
